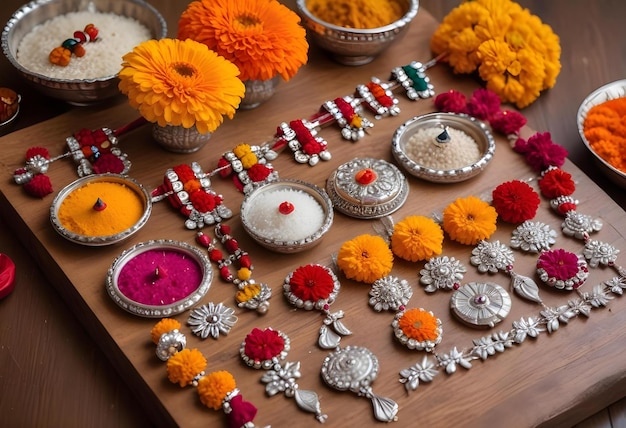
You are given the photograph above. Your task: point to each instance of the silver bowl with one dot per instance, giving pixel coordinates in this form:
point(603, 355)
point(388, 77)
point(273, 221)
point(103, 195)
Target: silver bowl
point(99, 241)
point(607, 92)
point(469, 125)
point(74, 91)
point(282, 244)
point(185, 302)
point(351, 46)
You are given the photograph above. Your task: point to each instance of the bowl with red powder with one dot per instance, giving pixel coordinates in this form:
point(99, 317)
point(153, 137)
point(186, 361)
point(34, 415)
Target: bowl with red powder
point(159, 278)
point(100, 209)
point(354, 32)
point(602, 128)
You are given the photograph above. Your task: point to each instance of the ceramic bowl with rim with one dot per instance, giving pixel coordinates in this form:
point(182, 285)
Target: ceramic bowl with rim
point(607, 92)
point(100, 240)
point(474, 128)
point(74, 91)
point(353, 46)
point(261, 205)
point(186, 277)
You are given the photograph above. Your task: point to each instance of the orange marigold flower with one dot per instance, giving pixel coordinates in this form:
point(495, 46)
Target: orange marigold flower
point(214, 387)
point(262, 37)
point(181, 83)
point(417, 238)
point(365, 258)
point(164, 326)
point(469, 220)
point(420, 325)
point(184, 365)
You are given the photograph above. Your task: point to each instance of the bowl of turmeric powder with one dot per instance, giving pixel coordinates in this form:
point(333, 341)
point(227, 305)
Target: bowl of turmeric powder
point(354, 32)
point(603, 130)
point(100, 209)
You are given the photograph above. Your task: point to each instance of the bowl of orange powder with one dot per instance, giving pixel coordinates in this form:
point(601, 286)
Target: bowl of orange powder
point(356, 31)
point(602, 127)
point(101, 209)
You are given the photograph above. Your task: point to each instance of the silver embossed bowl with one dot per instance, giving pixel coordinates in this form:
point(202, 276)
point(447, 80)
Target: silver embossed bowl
point(353, 46)
point(159, 278)
point(101, 215)
point(459, 126)
point(287, 216)
point(74, 91)
point(607, 92)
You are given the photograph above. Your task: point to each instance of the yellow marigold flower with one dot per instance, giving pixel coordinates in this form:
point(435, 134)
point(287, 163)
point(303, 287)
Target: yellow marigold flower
point(365, 258)
point(175, 82)
point(184, 365)
point(214, 387)
point(419, 325)
point(164, 326)
point(417, 238)
point(262, 37)
point(469, 220)
point(248, 292)
point(516, 55)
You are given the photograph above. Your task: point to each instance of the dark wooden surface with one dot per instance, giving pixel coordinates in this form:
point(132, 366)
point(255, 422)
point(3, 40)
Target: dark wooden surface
point(53, 374)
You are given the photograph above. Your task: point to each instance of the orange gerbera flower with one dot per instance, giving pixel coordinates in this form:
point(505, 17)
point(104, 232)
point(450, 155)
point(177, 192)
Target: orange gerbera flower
point(262, 37)
point(175, 82)
point(419, 325)
point(469, 220)
point(365, 258)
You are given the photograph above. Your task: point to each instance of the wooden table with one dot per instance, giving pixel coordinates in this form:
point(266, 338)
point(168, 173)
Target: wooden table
point(552, 376)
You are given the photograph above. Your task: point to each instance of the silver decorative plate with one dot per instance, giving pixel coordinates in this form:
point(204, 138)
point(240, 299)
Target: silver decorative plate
point(480, 304)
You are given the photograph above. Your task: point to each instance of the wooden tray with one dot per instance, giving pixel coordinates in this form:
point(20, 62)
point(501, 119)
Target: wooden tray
point(558, 378)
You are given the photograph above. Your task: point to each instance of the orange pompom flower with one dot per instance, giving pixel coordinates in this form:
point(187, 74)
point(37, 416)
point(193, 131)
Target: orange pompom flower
point(184, 365)
point(417, 238)
point(214, 387)
point(365, 258)
point(164, 326)
point(181, 83)
point(469, 220)
point(263, 38)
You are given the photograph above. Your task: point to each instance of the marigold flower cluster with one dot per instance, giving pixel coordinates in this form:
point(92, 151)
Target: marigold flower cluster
point(513, 51)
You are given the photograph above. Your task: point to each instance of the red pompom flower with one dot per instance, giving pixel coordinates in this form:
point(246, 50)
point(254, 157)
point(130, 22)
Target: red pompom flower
point(483, 104)
point(311, 283)
point(508, 122)
point(452, 101)
point(541, 152)
point(515, 201)
point(263, 345)
point(555, 182)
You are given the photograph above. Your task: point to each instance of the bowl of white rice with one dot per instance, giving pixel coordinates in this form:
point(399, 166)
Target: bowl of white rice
point(40, 26)
point(287, 216)
point(443, 147)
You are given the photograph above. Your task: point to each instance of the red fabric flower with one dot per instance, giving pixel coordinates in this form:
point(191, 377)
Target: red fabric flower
point(108, 162)
point(184, 172)
point(242, 412)
point(555, 182)
point(311, 283)
point(202, 201)
point(559, 264)
point(224, 166)
point(37, 151)
point(451, 102)
point(508, 122)
point(39, 186)
point(540, 152)
point(515, 201)
point(259, 172)
point(263, 345)
point(483, 104)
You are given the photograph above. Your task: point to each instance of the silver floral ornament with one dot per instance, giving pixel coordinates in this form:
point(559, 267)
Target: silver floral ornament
point(580, 225)
point(212, 320)
point(600, 253)
point(533, 237)
point(480, 304)
point(442, 273)
point(389, 293)
point(495, 256)
point(354, 368)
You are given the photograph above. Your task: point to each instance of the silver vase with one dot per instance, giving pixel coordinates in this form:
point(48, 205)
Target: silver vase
point(258, 91)
point(179, 139)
